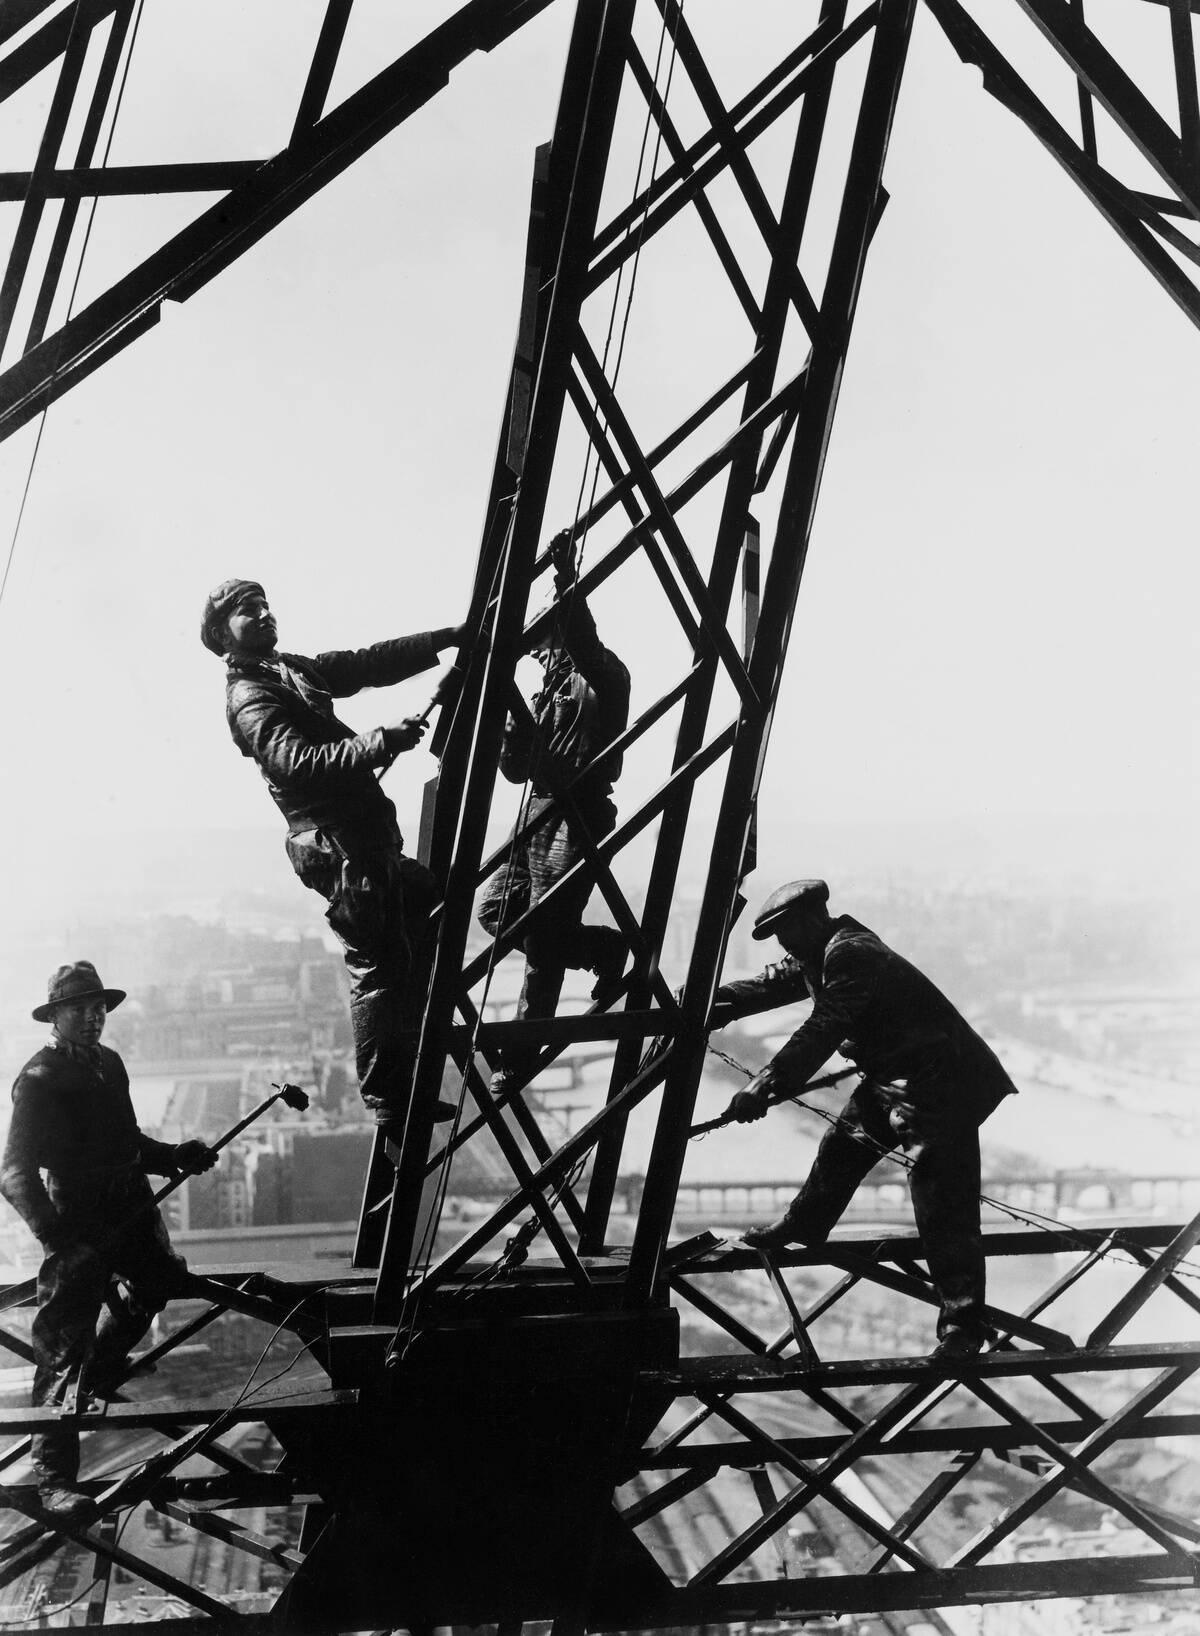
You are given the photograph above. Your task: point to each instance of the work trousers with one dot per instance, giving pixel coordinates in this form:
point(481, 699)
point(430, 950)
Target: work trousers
point(940, 1135)
point(72, 1296)
point(380, 903)
point(557, 939)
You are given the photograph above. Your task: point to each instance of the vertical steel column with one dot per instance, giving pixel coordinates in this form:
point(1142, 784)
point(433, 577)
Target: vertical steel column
point(802, 485)
point(583, 135)
point(730, 534)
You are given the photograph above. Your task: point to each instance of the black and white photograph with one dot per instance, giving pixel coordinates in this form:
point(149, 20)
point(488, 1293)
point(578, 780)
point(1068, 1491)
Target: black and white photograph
point(599, 922)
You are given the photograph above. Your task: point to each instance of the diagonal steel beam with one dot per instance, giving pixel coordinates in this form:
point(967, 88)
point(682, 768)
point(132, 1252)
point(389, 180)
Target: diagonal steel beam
point(522, 1174)
point(921, 1289)
point(583, 134)
point(797, 506)
point(1076, 1470)
point(1090, 1449)
point(597, 430)
point(1183, 49)
point(323, 64)
point(25, 62)
point(1145, 1259)
point(778, 1454)
point(931, 1497)
point(726, 254)
point(853, 1448)
point(738, 159)
point(1119, 95)
point(69, 74)
point(712, 618)
point(1009, 89)
point(676, 187)
point(186, 262)
point(727, 555)
point(559, 1163)
point(18, 14)
point(1107, 1330)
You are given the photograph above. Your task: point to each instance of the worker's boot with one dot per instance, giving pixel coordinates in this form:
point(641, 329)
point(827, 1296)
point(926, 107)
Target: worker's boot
point(68, 1505)
point(963, 1342)
point(787, 1230)
point(609, 965)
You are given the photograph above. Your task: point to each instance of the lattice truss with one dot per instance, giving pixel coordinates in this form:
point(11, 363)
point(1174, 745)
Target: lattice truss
point(774, 1485)
point(882, 1471)
point(690, 466)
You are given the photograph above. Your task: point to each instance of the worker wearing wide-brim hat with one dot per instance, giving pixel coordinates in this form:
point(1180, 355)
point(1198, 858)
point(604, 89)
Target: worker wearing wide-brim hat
point(929, 1081)
point(73, 1120)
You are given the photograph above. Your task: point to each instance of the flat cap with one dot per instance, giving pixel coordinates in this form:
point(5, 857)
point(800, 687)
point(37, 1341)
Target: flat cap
point(786, 902)
point(219, 606)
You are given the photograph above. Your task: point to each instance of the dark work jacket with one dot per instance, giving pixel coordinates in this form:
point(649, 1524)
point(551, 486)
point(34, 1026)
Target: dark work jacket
point(880, 1011)
point(76, 1123)
point(583, 706)
point(320, 773)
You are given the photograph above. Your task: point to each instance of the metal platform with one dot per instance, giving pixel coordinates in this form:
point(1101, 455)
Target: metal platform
point(523, 1411)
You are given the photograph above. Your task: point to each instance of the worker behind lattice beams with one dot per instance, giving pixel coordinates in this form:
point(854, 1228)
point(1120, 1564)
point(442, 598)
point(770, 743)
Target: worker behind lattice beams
point(583, 705)
point(929, 1081)
point(93, 1216)
point(343, 840)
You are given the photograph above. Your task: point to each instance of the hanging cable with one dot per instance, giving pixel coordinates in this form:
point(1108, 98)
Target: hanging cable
point(632, 262)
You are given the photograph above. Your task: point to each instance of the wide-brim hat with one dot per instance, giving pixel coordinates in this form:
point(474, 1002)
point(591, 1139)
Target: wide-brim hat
point(77, 981)
point(791, 902)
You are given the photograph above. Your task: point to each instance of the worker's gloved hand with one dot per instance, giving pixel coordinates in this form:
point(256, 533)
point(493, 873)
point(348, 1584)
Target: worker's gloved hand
point(722, 1009)
point(753, 1102)
point(403, 735)
point(194, 1156)
point(561, 551)
point(447, 682)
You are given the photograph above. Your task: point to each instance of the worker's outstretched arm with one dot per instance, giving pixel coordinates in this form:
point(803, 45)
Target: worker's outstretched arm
point(847, 987)
point(348, 670)
point(783, 983)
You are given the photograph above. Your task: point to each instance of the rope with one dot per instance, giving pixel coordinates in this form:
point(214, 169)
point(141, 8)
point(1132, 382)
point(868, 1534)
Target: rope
point(1028, 1218)
point(87, 235)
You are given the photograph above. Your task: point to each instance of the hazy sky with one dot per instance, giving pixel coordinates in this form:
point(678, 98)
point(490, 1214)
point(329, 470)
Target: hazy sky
point(998, 615)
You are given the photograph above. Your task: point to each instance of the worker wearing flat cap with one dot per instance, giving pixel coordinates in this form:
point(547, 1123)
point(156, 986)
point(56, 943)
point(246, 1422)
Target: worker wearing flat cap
point(73, 1119)
point(556, 749)
point(928, 1083)
point(343, 840)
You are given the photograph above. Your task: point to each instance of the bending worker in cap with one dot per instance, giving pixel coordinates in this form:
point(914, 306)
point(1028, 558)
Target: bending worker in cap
point(929, 1081)
point(583, 705)
point(72, 1117)
point(343, 840)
